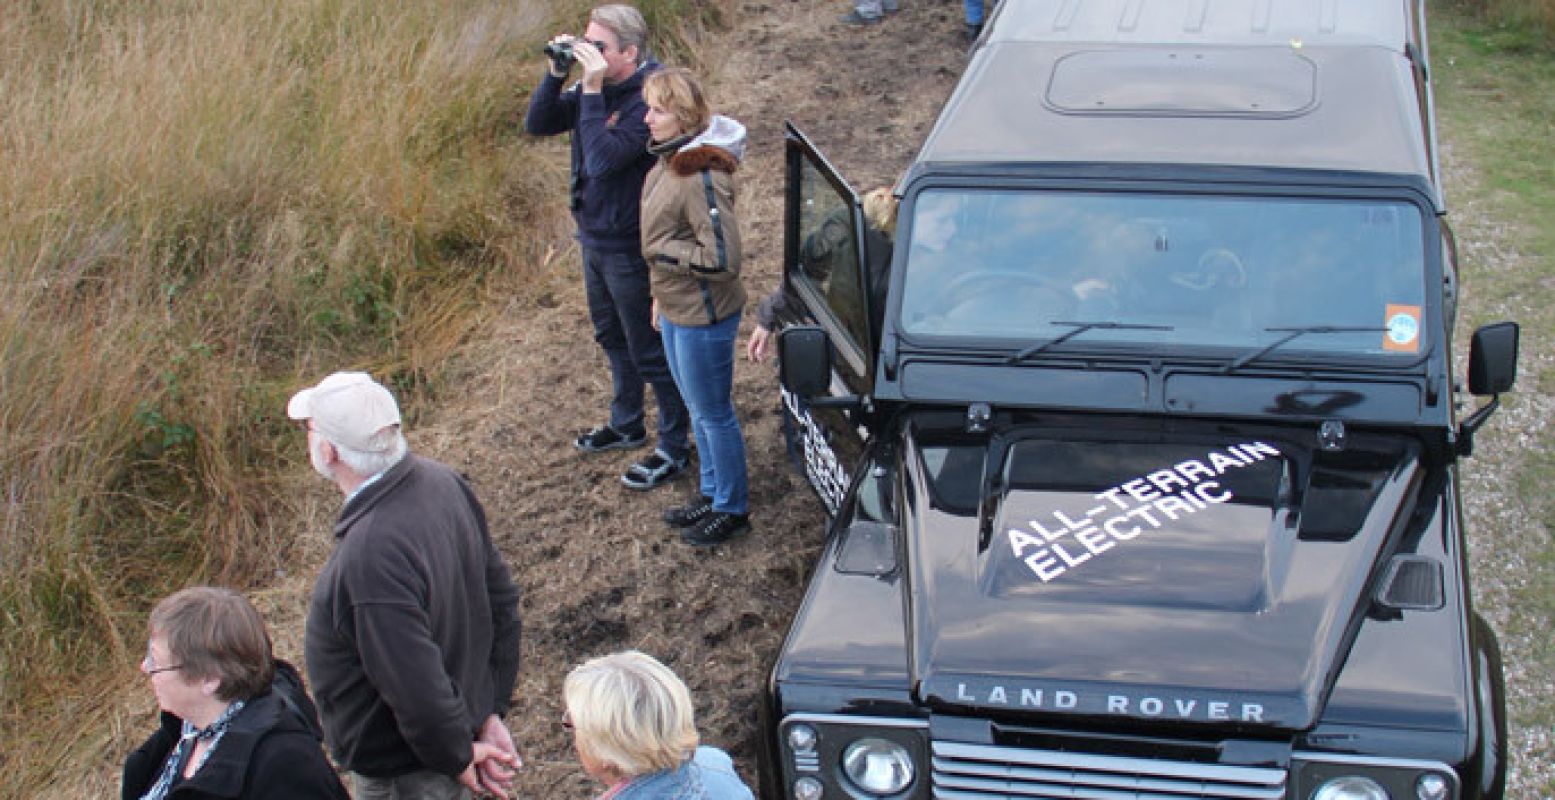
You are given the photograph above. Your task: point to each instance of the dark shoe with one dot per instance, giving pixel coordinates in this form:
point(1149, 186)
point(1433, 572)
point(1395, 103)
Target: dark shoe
point(605, 438)
point(716, 528)
point(655, 470)
point(689, 514)
point(855, 18)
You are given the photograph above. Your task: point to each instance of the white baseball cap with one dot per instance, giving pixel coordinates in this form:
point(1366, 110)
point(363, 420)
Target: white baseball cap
point(349, 409)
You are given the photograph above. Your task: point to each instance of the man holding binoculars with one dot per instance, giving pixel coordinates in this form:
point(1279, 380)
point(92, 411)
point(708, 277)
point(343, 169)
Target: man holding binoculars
point(604, 111)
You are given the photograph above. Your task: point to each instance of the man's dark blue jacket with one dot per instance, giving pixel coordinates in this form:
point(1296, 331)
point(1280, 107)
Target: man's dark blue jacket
point(609, 154)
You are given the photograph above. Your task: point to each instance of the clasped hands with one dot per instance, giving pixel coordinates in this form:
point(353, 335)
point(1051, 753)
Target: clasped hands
point(495, 762)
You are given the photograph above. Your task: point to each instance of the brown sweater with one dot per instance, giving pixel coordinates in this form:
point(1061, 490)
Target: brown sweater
point(694, 253)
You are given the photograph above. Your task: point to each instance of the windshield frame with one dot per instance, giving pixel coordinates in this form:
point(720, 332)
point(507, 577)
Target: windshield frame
point(1230, 184)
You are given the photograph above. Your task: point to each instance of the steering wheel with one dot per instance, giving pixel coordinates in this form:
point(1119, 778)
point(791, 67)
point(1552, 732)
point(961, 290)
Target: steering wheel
point(1218, 268)
point(976, 284)
point(995, 295)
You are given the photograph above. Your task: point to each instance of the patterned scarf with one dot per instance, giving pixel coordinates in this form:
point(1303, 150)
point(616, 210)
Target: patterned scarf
point(185, 746)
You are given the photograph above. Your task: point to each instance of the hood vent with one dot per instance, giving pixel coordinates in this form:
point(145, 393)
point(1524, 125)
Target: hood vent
point(868, 548)
point(1412, 583)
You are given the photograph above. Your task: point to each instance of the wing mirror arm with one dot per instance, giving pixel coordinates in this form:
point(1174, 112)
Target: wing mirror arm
point(805, 368)
point(1469, 426)
point(1492, 370)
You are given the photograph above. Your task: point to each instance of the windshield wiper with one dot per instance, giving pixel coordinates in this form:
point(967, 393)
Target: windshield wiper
point(1290, 334)
point(1079, 328)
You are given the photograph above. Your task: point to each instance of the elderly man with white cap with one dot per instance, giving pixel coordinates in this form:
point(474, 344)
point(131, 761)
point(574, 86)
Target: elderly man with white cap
point(413, 628)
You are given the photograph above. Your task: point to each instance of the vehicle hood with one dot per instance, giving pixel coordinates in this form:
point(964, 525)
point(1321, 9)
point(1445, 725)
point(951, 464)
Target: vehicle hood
point(1189, 578)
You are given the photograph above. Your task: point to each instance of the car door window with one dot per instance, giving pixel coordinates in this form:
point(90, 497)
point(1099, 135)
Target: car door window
point(827, 258)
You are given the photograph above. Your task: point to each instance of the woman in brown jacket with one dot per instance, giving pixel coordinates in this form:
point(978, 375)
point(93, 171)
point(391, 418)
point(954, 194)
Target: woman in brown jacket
point(691, 241)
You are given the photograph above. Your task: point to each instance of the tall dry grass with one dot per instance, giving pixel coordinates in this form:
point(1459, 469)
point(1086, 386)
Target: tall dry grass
point(204, 203)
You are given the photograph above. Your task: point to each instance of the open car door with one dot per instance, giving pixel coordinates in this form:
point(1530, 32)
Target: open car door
point(828, 286)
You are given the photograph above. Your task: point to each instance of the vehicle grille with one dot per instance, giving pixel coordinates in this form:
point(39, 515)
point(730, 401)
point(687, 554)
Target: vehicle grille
point(979, 772)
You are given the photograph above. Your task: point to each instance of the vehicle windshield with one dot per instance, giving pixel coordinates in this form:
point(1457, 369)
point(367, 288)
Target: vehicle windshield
point(1236, 272)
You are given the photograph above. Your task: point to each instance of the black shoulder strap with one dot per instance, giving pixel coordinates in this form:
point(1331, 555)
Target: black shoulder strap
point(718, 228)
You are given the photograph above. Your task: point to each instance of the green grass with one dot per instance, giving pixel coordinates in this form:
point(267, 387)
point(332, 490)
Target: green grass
point(1497, 106)
point(1496, 93)
point(1520, 24)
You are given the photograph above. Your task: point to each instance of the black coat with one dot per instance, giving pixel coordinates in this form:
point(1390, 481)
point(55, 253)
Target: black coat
point(610, 155)
point(413, 630)
point(271, 751)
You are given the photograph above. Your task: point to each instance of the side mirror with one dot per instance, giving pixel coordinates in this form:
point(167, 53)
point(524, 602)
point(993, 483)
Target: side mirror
point(804, 361)
point(1492, 370)
point(804, 358)
point(1493, 359)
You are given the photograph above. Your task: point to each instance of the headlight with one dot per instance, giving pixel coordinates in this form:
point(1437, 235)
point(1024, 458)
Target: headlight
point(1350, 787)
point(855, 757)
point(882, 767)
point(1432, 786)
point(808, 789)
point(801, 738)
point(1331, 776)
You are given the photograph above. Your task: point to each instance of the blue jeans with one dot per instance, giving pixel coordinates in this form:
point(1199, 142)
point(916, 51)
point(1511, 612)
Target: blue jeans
point(974, 12)
point(620, 306)
point(702, 359)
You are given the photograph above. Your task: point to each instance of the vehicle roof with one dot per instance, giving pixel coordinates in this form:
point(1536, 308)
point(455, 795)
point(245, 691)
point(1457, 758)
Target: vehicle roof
point(1385, 23)
point(1304, 84)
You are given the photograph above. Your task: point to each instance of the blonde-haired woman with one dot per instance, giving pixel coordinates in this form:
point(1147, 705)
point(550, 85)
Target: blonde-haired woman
point(633, 725)
point(691, 241)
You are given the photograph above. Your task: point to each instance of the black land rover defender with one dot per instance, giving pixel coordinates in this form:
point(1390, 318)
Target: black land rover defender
point(1142, 463)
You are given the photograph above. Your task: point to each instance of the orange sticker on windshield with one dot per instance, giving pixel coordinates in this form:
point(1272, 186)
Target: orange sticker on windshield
point(1402, 329)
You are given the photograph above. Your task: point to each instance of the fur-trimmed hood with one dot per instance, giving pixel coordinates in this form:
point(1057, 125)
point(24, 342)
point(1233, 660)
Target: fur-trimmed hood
point(721, 147)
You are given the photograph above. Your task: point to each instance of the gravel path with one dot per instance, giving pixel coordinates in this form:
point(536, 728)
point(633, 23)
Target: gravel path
point(1505, 531)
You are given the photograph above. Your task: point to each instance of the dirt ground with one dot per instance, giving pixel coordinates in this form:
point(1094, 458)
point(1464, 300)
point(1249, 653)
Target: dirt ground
point(599, 570)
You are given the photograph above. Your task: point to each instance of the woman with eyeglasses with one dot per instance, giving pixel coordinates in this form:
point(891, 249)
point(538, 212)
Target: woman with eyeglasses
point(236, 722)
point(634, 729)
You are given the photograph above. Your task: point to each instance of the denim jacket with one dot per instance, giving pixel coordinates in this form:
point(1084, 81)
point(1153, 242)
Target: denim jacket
point(709, 775)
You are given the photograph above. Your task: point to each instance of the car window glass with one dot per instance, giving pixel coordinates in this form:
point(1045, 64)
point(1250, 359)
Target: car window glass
point(1207, 271)
point(828, 253)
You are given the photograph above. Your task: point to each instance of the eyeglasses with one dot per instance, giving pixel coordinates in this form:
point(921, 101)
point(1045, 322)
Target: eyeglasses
point(149, 666)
